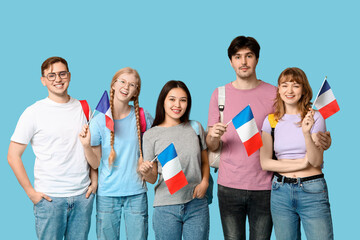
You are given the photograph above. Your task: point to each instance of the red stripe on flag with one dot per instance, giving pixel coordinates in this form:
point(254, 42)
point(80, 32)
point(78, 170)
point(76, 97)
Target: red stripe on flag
point(253, 144)
point(329, 109)
point(109, 123)
point(176, 182)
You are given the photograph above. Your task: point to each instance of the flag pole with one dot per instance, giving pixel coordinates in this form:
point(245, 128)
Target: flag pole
point(91, 116)
point(154, 158)
point(236, 115)
point(229, 122)
point(320, 90)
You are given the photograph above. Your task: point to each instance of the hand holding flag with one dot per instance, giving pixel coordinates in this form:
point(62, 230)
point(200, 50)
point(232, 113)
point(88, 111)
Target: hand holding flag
point(104, 107)
point(246, 127)
point(325, 101)
point(172, 173)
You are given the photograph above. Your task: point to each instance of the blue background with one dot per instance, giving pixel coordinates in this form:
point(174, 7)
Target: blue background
point(186, 41)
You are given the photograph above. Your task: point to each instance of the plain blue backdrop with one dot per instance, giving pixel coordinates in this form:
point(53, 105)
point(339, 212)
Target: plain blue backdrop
point(182, 40)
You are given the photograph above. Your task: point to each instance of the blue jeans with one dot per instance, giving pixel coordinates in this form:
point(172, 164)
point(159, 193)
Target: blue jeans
point(108, 217)
point(189, 220)
point(64, 217)
point(236, 204)
point(307, 202)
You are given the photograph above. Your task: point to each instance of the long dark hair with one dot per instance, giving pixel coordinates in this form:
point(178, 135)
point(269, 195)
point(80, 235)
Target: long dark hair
point(160, 112)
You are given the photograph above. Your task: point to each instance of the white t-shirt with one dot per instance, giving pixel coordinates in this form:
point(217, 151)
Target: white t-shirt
point(61, 169)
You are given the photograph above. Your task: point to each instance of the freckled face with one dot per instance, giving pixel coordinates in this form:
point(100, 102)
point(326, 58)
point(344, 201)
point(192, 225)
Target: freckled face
point(126, 87)
point(290, 92)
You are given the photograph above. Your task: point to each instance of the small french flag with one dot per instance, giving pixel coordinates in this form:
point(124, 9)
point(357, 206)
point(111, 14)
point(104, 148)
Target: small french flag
point(173, 175)
point(325, 101)
point(245, 126)
point(104, 107)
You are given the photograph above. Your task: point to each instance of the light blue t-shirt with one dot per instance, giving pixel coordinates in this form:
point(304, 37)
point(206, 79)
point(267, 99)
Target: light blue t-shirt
point(121, 179)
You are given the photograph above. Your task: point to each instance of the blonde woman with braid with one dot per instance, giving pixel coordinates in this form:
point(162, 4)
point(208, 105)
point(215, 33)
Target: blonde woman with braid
point(120, 187)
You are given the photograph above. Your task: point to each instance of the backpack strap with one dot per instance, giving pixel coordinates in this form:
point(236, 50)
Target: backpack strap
point(86, 108)
point(195, 126)
point(142, 120)
point(221, 102)
point(273, 122)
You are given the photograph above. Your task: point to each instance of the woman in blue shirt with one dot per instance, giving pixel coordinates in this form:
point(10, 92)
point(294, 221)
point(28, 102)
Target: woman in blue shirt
point(118, 154)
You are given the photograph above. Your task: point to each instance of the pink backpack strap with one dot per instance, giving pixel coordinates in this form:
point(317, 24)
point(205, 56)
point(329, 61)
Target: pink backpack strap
point(86, 108)
point(142, 120)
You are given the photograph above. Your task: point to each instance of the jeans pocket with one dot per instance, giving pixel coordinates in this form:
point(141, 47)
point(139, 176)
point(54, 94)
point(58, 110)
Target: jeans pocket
point(314, 186)
point(275, 185)
point(39, 202)
point(104, 204)
point(138, 204)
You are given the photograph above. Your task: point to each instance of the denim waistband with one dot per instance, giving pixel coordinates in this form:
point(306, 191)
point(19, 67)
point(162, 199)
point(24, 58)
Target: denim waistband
point(281, 178)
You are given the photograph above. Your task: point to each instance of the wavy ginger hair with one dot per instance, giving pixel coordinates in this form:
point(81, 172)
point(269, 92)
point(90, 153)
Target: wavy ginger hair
point(294, 75)
point(135, 99)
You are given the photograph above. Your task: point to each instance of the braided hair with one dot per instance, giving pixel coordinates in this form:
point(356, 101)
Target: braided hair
point(135, 99)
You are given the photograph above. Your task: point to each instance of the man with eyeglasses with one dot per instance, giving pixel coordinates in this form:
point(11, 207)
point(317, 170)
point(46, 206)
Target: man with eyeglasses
point(64, 185)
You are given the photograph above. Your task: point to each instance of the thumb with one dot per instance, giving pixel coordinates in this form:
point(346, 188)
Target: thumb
point(87, 195)
point(46, 197)
point(194, 194)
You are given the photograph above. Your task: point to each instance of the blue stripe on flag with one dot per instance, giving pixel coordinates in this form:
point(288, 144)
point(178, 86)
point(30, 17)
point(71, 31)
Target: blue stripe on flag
point(167, 155)
point(103, 104)
point(243, 117)
point(325, 87)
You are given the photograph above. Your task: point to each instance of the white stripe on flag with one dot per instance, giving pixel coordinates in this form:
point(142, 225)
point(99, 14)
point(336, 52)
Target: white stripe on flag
point(108, 113)
point(324, 99)
point(171, 168)
point(247, 130)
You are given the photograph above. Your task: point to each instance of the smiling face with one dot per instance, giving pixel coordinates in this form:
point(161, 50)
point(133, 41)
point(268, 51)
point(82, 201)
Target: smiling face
point(125, 88)
point(244, 63)
point(290, 92)
point(57, 88)
point(175, 105)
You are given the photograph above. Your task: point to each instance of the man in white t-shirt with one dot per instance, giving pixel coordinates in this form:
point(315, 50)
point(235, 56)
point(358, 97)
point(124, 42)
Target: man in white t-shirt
point(64, 185)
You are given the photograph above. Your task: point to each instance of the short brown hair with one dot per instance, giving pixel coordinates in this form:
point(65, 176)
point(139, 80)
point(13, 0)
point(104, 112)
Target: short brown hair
point(241, 42)
point(50, 61)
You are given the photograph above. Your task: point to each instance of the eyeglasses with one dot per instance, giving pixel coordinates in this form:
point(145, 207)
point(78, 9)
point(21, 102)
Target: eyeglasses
point(62, 75)
point(124, 83)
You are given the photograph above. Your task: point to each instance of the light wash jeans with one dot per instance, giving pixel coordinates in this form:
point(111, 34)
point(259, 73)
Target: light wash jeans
point(108, 217)
point(307, 202)
point(189, 220)
point(64, 217)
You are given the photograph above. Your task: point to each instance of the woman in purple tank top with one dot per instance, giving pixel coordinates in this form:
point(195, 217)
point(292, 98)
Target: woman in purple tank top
point(299, 191)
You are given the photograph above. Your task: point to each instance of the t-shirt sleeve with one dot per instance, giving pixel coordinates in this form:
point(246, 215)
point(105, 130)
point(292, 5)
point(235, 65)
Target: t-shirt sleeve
point(266, 126)
point(319, 124)
point(202, 137)
point(25, 128)
point(149, 119)
point(95, 133)
point(148, 147)
point(214, 115)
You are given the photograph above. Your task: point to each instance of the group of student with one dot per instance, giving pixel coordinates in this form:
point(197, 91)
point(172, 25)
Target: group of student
point(282, 184)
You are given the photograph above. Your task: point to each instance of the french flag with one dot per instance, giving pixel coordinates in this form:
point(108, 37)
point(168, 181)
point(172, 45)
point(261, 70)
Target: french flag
point(245, 126)
point(173, 175)
point(326, 102)
point(104, 107)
